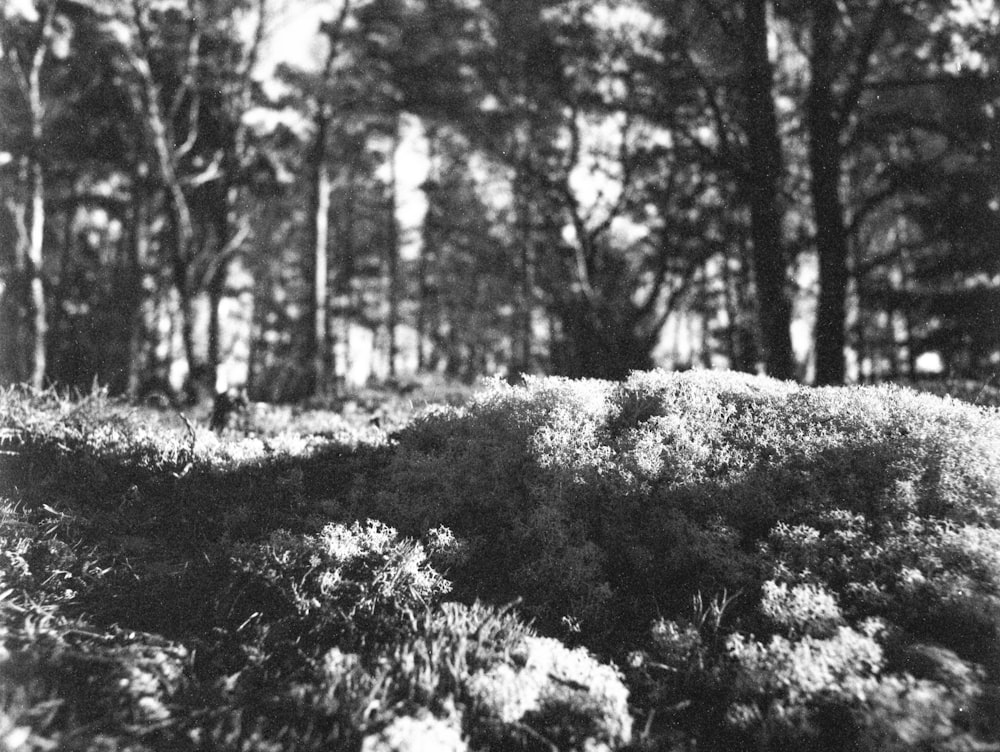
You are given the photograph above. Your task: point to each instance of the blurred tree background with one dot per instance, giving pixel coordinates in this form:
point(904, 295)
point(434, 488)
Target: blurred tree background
point(196, 197)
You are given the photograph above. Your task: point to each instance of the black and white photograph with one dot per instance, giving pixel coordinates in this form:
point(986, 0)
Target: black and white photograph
point(499, 375)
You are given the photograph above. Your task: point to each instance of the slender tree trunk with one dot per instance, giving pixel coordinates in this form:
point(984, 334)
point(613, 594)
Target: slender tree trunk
point(140, 254)
point(215, 289)
point(186, 315)
point(232, 227)
point(319, 342)
point(15, 296)
point(32, 86)
point(37, 295)
point(908, 315)
point(430, 240)
point(317, 259)
point(393, 256)
point(321, 334)
point(763, 189)
point(523, 335)
point(422, 305)
point(825, 165)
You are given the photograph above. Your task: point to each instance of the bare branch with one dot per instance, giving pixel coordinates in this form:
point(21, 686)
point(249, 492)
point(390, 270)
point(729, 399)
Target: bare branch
point(862, 63)
point(968, 78)
point(158, 131)
point(189, 81)
point(625, 160)
point(725, 152)
point(232, 247)
point(19, 74)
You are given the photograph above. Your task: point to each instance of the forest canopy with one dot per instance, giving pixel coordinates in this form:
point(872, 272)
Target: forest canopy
point(195, 197)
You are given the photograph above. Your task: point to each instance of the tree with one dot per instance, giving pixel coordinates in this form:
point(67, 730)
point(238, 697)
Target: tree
point(907, 44)
point(319, 350)
point(926, 226)
point(762, 182)
point(188, 72)
point(466, 277)
point(533, 87)
point(26, 52)
point(830, 106)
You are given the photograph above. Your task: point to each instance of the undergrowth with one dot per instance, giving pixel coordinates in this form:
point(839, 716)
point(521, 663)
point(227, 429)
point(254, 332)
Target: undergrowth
point(678, 561)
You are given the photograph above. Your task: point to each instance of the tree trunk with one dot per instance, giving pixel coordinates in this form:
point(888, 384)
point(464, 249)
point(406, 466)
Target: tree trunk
point(39, 318)
point(763, 189)
point(594, 344)
point(321, 335)
point(825, 165)
point(32, 83)
point(215, 289)
point(185, 313)
point(232, 228)
point(423, 292)
point(526, 280)
point(15, 297)
point(317, 260)
point(393, 259)
point(430, 237)
point(137, 263)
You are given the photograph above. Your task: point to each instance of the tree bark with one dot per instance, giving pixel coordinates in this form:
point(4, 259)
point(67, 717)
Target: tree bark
point(30, 81)
point(763, 190)
point(39, 317)
point(825, 154)
point(137, 264)
point(393, 253)
point(526, 279)
point(318, 266)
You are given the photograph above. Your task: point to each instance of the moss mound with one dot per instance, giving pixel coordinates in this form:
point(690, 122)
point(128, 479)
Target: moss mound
point(610, 506)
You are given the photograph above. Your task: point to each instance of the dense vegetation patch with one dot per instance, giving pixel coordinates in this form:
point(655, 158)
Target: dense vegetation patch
point(768, 566)
point(850, 533)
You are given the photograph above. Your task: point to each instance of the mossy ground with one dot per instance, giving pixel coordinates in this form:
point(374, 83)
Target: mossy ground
point(678, 561)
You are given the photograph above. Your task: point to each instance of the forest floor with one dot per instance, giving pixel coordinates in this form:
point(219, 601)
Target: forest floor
point(675, 562)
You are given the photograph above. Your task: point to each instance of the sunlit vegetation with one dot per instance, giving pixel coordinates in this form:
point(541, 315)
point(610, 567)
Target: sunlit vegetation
point(673, 562)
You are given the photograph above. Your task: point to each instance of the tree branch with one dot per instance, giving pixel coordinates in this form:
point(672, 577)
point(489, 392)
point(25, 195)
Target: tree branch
point(232, 247)
point(189, 81)
point(725, 152)
point(862, 64)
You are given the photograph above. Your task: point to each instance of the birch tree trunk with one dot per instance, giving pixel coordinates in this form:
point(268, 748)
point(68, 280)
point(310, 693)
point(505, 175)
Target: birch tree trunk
point(29, 78)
